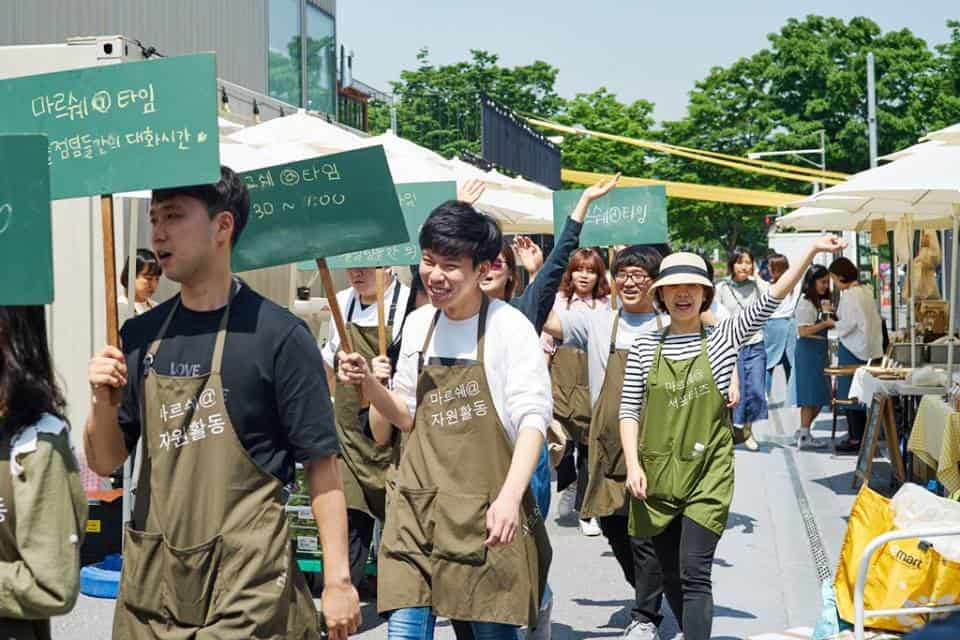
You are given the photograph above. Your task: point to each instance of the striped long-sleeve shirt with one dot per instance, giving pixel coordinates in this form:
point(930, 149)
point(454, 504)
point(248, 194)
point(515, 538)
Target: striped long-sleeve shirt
point(723, 343)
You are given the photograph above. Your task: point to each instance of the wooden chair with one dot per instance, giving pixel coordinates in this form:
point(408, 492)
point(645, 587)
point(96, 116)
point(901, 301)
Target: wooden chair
point(843, 371)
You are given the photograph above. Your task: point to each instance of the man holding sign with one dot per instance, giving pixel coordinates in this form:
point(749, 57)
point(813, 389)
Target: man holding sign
point(227, 391)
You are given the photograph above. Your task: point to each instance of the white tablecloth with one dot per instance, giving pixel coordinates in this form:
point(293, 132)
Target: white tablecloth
point(865, 385)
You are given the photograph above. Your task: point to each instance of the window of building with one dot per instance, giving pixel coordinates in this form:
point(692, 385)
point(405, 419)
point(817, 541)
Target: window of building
point(284, 75)
point(321, 61)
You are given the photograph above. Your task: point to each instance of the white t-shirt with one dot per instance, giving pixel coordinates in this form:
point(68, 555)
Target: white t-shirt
point(806, 314)
point(788, 306)
point(513, 362)
point(858, 323)
point(365, 316)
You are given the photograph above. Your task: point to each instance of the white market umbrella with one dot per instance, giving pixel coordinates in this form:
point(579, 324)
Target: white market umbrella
point(226, 127)
point(922, 189)
point(298, 127)
point(948, 135)
point(822, 219)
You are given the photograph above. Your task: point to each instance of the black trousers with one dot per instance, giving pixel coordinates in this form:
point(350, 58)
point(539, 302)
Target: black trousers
point(685, 551)
point(360, 536)
point(573, 468)
point(638, 560)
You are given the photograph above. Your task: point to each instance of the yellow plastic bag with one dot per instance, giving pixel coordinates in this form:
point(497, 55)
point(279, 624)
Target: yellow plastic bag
point(903, 573)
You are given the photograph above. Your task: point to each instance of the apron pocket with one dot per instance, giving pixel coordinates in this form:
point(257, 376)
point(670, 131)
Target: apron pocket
point(661, 472)
point(142, 576)
point(192, 580)
point(409, 525)
point(461, 528)
point(612, 463)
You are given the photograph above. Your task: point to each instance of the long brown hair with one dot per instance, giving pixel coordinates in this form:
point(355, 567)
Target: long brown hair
point(514, 284)
point(778, 265)
point(585, 258)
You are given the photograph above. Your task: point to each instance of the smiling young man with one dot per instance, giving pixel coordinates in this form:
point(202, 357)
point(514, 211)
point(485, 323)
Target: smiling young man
point(363, 462)
point(225, 391)
point(463, 538)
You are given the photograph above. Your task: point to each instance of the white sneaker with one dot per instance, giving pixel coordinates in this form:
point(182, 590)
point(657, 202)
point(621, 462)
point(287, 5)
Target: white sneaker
point(807, 441)
point(750, 443)
point(565, 505)
point(590, 527)
point(641, 631)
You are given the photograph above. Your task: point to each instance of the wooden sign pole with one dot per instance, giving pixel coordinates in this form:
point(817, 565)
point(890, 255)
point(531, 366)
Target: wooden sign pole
point(381, 320)
point(327, 280)
point(611, 256)
point(109, 270)
point(893, 444)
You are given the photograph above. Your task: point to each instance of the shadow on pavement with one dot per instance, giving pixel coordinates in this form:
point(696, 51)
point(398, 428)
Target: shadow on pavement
point(729, 612)
point(735, 520)
point(842, 483)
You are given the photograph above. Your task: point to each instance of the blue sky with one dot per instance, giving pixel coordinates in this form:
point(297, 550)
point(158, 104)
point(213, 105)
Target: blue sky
point(652, 49)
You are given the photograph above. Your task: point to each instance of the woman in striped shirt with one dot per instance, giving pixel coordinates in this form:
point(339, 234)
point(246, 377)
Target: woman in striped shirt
point(680, 470)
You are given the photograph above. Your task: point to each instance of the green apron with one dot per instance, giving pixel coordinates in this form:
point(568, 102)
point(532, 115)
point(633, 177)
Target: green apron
point(571, 392)
point(686, 449)
point(207, 555)
point(454, 463)
point(363, 462)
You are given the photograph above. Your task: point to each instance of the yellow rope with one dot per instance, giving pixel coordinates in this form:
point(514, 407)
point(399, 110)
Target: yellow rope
point(688, 191)
point(657, 146)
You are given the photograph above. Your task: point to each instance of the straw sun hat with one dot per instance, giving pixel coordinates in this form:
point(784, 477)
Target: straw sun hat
point(682, 268)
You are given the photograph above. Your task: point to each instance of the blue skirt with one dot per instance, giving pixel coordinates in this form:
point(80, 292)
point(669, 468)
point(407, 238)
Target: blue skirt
point(811, 387)
point(779, 338)
point(845, 356)
point(752, 368)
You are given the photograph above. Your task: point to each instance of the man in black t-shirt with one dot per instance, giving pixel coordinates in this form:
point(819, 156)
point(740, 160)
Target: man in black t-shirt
point(227, 391)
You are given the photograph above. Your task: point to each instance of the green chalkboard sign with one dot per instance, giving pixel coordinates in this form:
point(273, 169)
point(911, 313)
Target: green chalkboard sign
point(26, 256)
point(626, 215)
point(417, 200)
point(121, 127)
point(325, 206)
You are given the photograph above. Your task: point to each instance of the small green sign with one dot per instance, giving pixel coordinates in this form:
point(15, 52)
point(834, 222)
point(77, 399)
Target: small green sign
point(121, 127)
point(321, 207)
point(417, 200)
point(26, 254)
point(626, 215)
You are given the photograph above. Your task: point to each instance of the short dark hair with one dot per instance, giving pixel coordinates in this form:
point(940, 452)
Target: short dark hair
point(738, 254)
point(229, 194)
point(456, 230)
point(28, 387)
point(778, 264)
point(147, 264)
point(638, 255)
point(845, 270)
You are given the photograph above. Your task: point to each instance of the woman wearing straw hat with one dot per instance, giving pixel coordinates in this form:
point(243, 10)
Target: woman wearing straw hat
point(680, 465)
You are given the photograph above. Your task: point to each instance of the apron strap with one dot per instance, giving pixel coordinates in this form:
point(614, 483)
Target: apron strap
point(215, 366)
point(393, 302)
point(613, 334)
point(352, 307)
point(426, 341)
point(482, 327)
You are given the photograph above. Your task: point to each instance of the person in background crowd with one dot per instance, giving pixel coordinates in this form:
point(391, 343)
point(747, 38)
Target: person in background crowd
point(471, 393)
point(224, 383)
point(861, 340)
point(780, 331)
point(584, 286)
point(811, 387)
point(145, 284)
point(736, 293)
point(43, 509)
point(676, 437)
point(606, 336)
point(363, 463)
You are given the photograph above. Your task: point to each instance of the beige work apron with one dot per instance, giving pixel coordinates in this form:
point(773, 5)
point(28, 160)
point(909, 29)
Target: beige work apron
point(207, 556)
point(454, 463)
point(363, 462)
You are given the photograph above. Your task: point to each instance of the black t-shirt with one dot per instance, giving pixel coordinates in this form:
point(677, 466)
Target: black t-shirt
point(275, 388)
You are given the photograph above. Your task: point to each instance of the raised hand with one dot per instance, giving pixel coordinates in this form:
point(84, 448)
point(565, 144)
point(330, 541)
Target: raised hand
point(601, 189)
point(528, 253)
point(470, 191)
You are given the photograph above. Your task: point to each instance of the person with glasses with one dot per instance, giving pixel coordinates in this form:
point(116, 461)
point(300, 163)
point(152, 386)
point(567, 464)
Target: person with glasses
point(606, 335)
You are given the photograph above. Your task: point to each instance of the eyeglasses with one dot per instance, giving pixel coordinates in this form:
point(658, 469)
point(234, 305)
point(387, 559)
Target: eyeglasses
point(498, 265)
point(638, 277)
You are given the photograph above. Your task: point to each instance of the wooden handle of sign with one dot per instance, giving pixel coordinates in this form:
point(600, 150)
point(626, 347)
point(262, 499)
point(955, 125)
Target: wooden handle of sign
point(327, 280)
point(381, 320)
point(611, 255)
point(109, 271)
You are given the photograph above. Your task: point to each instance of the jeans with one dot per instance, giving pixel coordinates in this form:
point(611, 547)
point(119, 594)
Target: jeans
point(360, 536)
point(417, 623)
point(685, 552)
point(638, 560)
